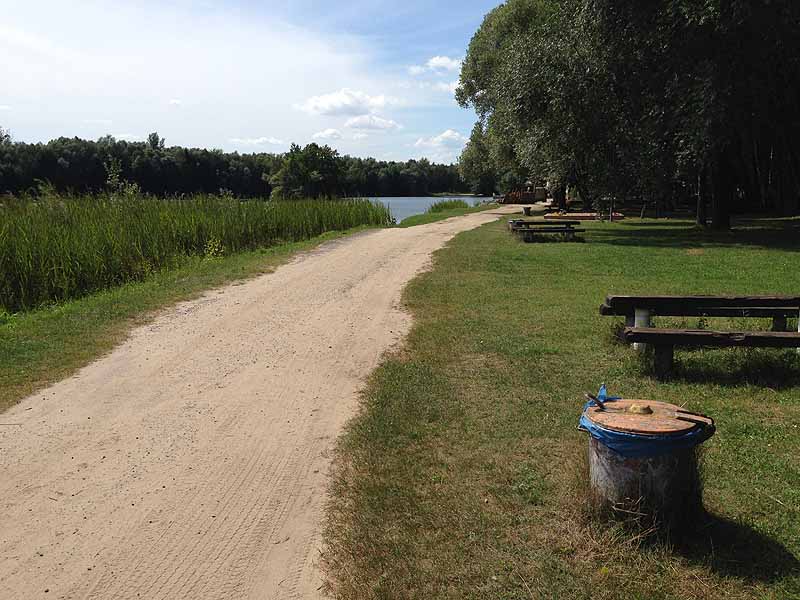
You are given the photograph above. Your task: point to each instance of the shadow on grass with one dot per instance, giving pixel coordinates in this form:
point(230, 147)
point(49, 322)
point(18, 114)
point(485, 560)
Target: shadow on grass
point(772, 233)
point(775, 369)
point(660, 223)
point(733, 549)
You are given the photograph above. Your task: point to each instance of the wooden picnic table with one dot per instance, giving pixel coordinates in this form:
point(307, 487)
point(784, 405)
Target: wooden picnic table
point(527, 229)
point(638, 311)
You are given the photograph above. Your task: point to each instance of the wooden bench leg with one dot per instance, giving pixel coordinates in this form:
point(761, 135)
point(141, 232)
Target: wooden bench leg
point(641, 319)
point(664, 357)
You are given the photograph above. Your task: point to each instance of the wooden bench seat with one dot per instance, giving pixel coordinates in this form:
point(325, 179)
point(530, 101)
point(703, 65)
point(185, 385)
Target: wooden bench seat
point(547, 230)
point(710, 311)
point(527, 223)
point(529, 234)
point(665, 340)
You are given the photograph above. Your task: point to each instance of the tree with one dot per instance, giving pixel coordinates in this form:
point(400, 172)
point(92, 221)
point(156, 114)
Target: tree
point(155, 142)
point(666, 101)
point(475, 164)
point(309, 172)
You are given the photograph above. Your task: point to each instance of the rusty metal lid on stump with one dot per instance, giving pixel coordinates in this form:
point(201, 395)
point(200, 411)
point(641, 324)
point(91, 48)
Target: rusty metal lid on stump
point(646, 417)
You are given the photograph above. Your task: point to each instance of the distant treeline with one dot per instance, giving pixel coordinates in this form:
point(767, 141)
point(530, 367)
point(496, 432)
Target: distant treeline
point(80, 166)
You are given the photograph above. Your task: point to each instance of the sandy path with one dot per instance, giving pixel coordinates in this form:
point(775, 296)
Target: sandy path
point(191, 461)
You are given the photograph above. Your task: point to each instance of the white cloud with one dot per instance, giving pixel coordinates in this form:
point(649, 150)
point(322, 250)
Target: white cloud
point(443, 63)
point(371, 122)
point(443, 148)
point(360, 136)
point(259, 141)
point(345, 102)
point(72, 51)
point(449, 87)
point(128, 137)
point(447, 139)
point(436, 64)
point(18, 39)
point(174, 102)
point(328, 134)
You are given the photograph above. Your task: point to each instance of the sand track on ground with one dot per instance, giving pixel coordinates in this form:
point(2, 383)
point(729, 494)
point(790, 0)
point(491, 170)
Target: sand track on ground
point(191, 461)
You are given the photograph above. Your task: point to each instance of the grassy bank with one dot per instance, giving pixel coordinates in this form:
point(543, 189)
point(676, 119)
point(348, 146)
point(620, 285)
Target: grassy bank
point(56, 248)
point(43, 346)
point(464, 477)
point(444, 210)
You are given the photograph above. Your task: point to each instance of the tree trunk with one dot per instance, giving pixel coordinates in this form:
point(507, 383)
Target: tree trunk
point(702, 192)
point(722, 192)
point(791, 205)
point(560, 196)
point(586, 199)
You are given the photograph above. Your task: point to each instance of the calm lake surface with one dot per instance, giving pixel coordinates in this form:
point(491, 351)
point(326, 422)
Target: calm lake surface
point(402, 208)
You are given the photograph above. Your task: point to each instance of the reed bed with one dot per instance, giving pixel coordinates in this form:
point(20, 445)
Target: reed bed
point(59, 248)
point(443, 205)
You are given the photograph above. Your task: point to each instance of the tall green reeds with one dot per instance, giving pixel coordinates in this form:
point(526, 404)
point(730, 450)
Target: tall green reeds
point(56, 248)
point(443, 205)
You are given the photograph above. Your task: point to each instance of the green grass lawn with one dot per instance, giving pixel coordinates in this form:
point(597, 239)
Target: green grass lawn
point(465, 476)
point(44, 346)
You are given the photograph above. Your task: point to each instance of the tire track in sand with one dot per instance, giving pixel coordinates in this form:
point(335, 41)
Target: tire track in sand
point(191, 461)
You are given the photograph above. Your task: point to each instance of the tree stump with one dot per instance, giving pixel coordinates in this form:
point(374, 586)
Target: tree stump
point(659, 492)
point(643, 462)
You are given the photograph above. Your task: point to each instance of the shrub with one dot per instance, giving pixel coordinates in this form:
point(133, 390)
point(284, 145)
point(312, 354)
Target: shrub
point(443, 205)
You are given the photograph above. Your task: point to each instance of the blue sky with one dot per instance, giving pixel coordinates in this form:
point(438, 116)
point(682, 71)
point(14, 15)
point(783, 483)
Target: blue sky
point(368, 78)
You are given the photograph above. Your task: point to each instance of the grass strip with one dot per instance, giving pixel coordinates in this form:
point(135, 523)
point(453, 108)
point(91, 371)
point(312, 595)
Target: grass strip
point(464, 475)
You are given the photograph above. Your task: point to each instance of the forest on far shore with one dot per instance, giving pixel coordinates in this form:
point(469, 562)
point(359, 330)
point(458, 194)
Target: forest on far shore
point(75, 165)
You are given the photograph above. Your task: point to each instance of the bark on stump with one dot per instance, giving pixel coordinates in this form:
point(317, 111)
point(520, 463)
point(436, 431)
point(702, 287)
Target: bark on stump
point(661, 492)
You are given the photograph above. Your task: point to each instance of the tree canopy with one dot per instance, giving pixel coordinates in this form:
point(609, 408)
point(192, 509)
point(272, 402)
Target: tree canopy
point(666, 101)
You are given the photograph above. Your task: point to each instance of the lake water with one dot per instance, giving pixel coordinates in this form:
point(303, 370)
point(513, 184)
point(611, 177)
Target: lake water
point(402, 208)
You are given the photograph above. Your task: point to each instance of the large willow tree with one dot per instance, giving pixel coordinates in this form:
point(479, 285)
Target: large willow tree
point(661, 100)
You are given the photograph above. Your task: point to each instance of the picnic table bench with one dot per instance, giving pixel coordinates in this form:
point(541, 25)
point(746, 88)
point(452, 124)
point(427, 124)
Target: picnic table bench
point(638, 311)
point(527, 230)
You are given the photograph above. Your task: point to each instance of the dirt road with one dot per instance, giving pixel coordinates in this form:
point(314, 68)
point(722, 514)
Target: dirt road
point(191, 461)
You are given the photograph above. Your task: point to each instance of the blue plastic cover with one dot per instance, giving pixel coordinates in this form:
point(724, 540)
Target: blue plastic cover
point(632, 445)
